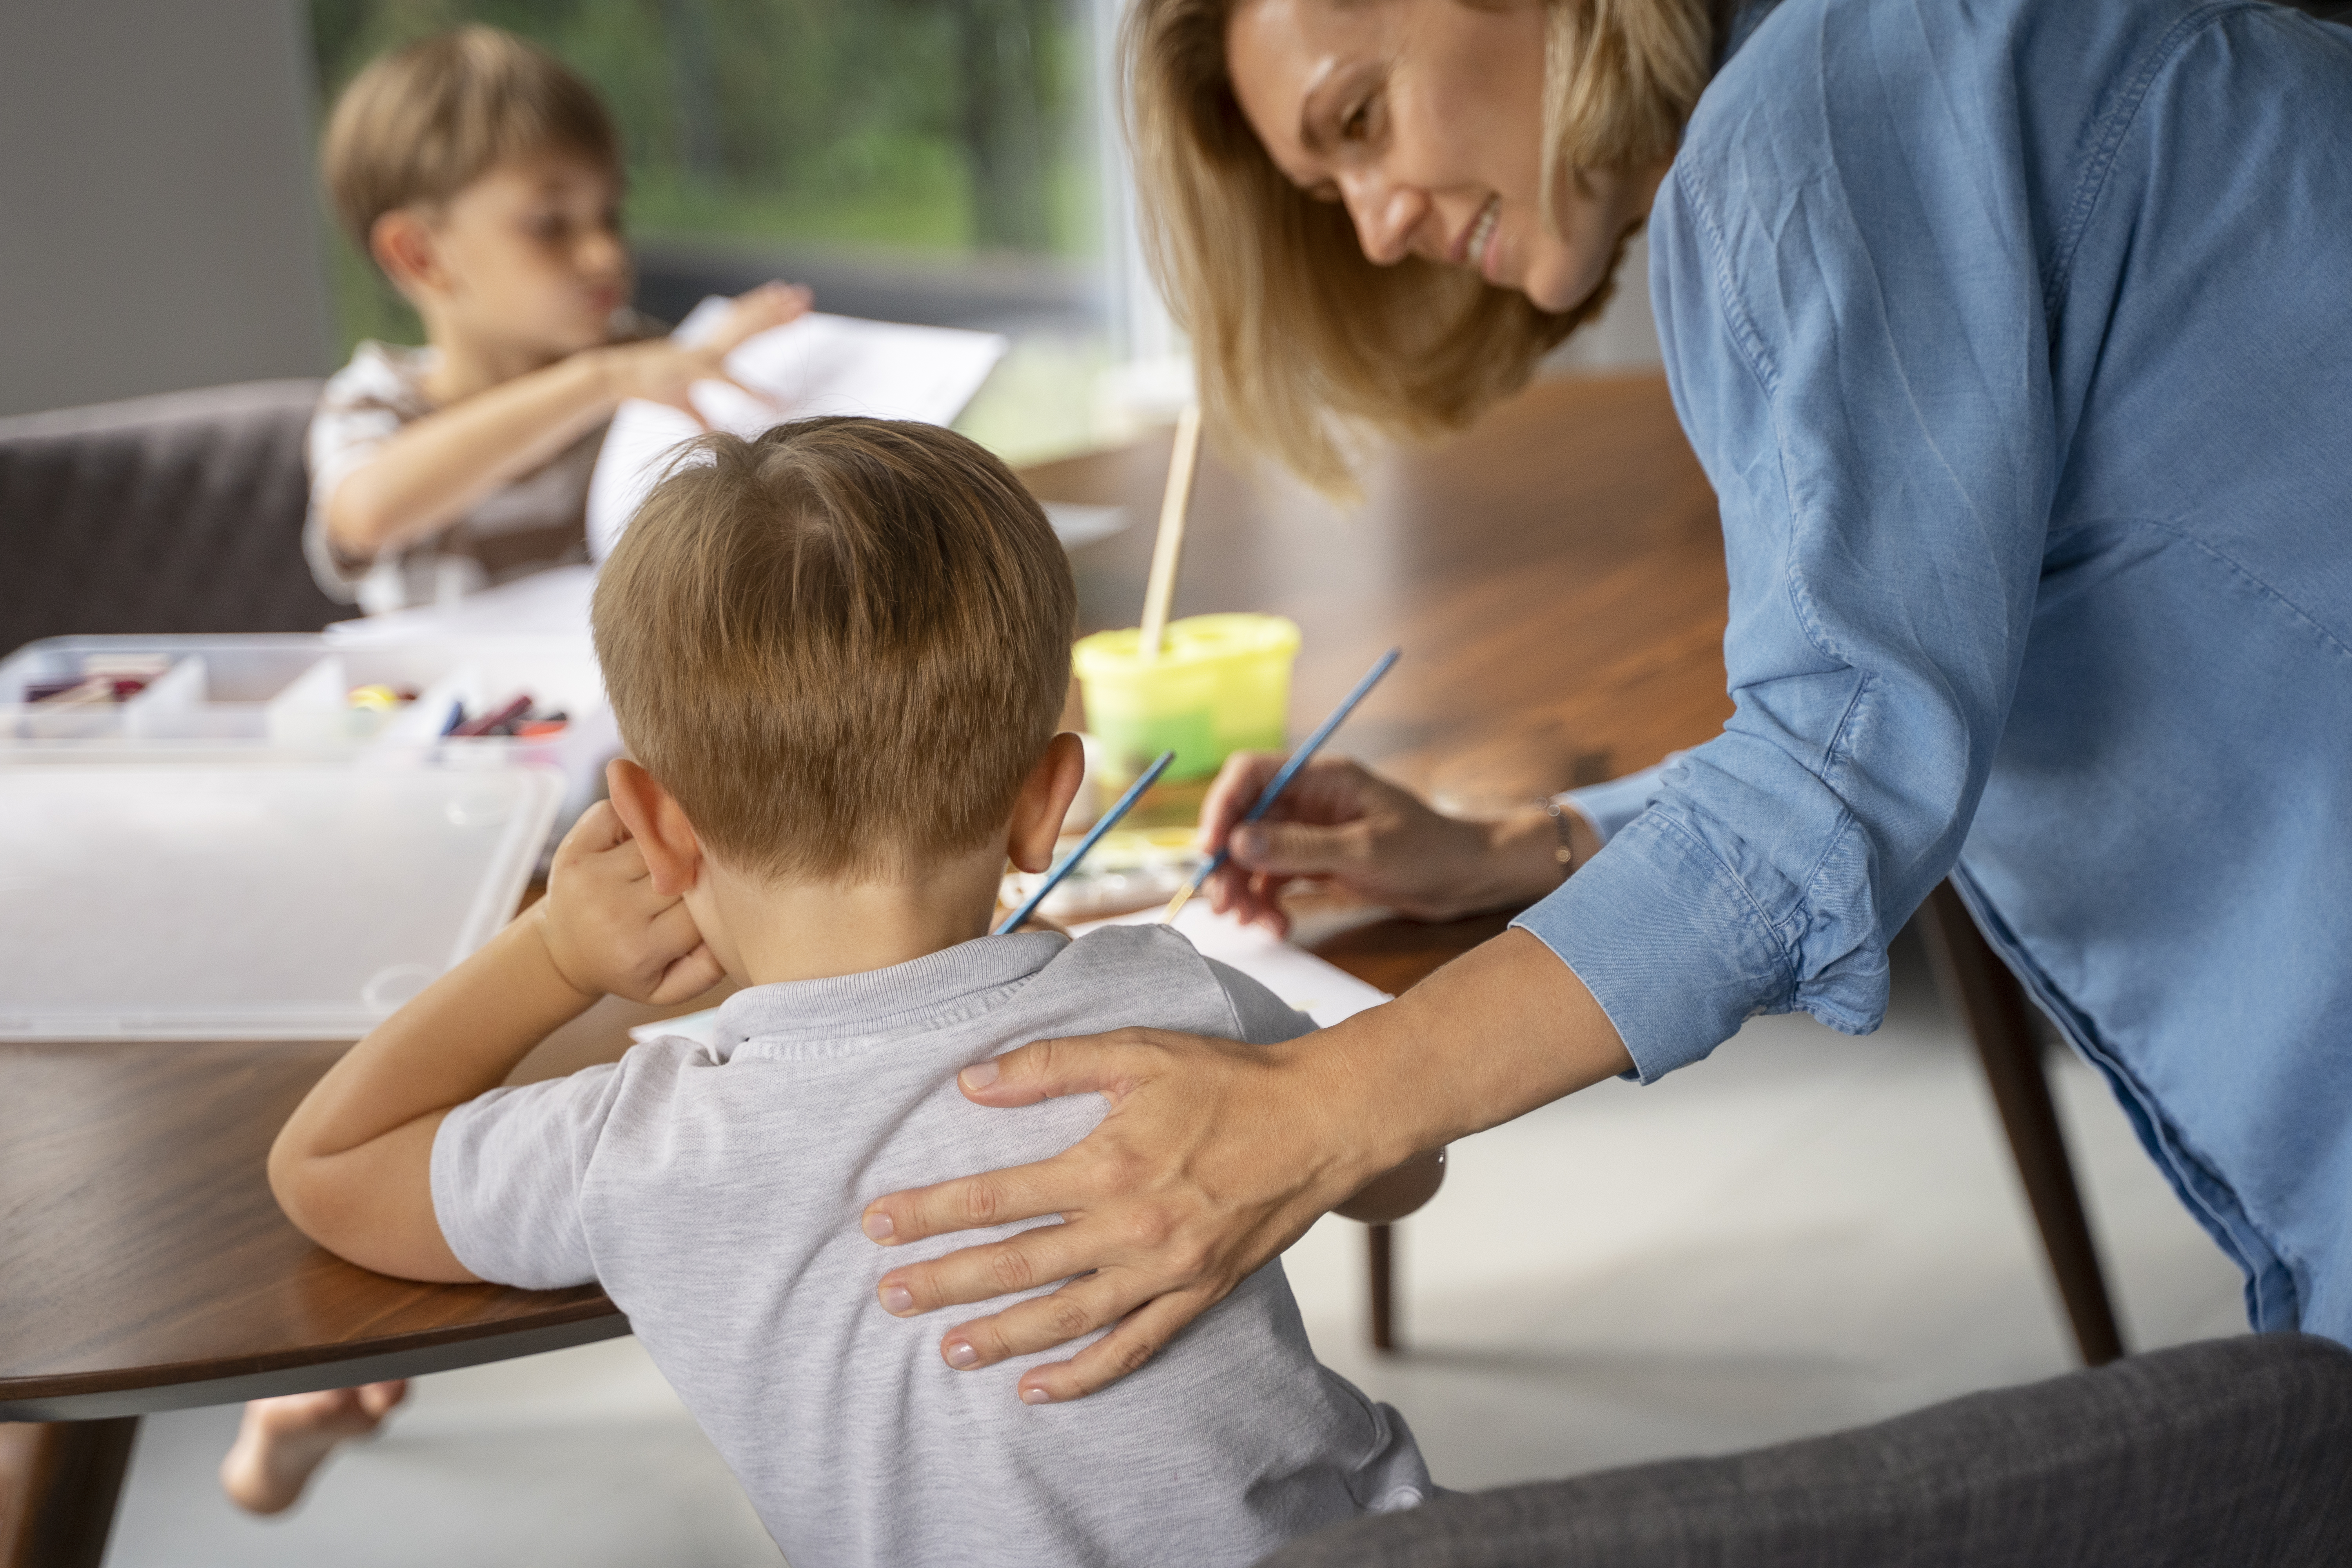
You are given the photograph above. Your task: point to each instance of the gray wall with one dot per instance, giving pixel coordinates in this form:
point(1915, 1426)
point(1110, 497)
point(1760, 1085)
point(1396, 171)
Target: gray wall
point(158, 228)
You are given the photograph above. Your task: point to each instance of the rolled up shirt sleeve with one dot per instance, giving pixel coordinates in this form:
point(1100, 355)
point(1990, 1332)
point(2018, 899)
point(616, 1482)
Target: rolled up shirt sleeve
point(1863, 372)
point(1610, 806)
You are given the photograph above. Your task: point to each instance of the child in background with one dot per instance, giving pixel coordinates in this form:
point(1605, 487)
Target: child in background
point(838, 654)
point(485, 180)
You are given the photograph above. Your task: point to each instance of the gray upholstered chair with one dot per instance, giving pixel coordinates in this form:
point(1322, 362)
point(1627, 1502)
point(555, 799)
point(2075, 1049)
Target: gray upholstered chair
point(178, 513)
point(2231, 1451)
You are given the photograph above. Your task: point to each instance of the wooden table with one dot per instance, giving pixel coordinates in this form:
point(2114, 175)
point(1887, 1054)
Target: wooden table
point(1557, 582)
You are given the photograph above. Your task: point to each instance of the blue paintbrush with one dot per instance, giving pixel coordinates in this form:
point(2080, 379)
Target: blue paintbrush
point(1281, 781)
point(1108, 820)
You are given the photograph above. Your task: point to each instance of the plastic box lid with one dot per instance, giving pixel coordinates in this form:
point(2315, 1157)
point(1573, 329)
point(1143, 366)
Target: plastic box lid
point(250, 902)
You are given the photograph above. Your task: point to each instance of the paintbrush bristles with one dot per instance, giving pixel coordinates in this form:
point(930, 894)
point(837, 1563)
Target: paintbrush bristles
point(1168, 551)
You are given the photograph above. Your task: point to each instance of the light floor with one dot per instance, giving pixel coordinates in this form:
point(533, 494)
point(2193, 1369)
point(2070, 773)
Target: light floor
point(1807, 1232)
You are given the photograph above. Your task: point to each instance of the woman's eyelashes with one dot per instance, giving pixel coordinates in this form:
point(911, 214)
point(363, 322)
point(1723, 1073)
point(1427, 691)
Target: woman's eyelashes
point(1364, 120)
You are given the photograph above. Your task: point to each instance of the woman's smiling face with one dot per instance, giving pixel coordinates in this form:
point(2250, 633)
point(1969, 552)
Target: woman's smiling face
point(1426, 119)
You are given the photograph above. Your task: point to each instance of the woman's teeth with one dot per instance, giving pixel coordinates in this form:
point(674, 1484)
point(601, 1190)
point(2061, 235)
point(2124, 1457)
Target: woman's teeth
point(1482, 232)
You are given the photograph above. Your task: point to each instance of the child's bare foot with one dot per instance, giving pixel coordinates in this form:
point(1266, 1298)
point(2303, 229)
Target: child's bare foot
point(285, 1440)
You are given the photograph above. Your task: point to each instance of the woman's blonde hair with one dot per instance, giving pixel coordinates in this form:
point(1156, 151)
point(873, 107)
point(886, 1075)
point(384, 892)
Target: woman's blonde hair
point(1297, 336)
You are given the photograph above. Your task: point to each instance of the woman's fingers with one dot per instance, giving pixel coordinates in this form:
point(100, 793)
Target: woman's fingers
point(1040, 1255)
point(1238, 785)
point(1048, 1069)
point(969, 1202)
point(1081, 1307)
point(1303, 848)
point(1250, 896)
point(1138, 1338)
point(1264, 905)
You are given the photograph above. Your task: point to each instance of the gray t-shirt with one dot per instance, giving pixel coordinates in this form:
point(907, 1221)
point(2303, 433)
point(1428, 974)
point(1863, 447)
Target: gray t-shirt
point(715, 1194)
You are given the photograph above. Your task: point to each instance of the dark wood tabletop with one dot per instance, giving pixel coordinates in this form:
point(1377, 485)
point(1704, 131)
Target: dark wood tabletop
point(1555, 579)
point(148, 1269)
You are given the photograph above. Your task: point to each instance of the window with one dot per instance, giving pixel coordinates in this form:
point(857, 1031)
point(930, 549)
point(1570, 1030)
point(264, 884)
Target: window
point(932, 160)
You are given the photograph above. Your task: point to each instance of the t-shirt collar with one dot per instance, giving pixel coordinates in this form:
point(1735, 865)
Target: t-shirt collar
point(850, 1012)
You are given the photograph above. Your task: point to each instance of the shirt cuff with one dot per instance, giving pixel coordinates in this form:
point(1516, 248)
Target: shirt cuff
point(1667, 941)
point(1610, 806)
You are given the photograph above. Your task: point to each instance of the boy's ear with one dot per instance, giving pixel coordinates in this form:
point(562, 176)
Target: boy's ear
point(401, 241)
point(672, 851)
point(1045, 800)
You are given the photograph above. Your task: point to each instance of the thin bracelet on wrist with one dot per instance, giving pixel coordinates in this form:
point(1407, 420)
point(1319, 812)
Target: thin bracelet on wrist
point(1566, 853)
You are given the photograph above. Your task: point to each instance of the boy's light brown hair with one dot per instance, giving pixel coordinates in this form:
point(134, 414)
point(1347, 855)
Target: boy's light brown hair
point(420, 124)
point(841, 646)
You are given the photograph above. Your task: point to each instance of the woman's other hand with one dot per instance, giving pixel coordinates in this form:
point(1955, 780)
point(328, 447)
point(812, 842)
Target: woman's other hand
point(1341, 822)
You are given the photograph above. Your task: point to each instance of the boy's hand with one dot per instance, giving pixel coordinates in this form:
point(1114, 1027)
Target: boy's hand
point(607, 932)
point(769, 305)
point(662, 371)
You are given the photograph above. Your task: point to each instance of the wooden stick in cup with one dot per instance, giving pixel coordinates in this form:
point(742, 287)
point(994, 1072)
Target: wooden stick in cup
point(1168, 552)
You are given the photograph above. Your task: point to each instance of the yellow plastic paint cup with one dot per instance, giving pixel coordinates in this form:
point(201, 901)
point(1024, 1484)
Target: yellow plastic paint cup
point(1221, 685)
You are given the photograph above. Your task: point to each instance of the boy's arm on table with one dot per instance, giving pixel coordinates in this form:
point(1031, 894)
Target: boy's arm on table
point(437, 469)
point(352, 1166)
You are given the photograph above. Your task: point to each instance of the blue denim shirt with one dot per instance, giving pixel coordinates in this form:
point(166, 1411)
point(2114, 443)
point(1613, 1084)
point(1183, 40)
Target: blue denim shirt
point(2015, 337)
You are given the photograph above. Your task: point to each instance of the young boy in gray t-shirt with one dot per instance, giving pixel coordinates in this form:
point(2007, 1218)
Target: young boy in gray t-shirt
point(837, 653)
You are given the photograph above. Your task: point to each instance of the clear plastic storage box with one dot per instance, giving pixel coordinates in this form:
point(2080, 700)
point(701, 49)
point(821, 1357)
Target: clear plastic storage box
point(211, 837)
point(268, 900)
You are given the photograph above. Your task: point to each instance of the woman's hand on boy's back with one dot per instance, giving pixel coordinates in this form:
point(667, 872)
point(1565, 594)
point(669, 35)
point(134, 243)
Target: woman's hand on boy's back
point(608, 931)
point(664, 371)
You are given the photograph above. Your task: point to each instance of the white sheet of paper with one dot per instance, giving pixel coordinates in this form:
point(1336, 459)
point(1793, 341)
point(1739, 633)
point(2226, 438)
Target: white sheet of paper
point(818, 364)
point(1322, 990)
point(549, 603)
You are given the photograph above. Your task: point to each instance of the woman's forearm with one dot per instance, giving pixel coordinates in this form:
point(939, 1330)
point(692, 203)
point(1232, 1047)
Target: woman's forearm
point(440, 467)
point(1500, 1031)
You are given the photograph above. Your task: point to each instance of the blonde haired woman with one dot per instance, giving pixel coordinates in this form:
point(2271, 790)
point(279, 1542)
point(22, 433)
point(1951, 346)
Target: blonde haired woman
point(2014, 338)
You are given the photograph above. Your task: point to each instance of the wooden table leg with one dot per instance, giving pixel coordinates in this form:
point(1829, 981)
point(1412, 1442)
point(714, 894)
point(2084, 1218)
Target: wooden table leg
point(1382, 1244)
point(1994, 1007)
point(59, 1485)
